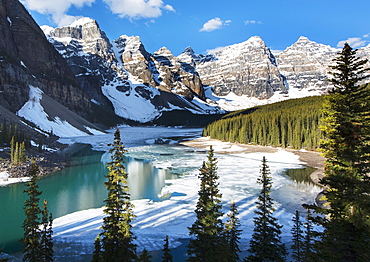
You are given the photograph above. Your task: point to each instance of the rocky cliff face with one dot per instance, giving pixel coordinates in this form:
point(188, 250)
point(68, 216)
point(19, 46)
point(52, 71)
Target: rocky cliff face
point(161, 69)
point(27, 58)
point(305, 64)
point(248, 69)
point(90, 53)
point(123, 68)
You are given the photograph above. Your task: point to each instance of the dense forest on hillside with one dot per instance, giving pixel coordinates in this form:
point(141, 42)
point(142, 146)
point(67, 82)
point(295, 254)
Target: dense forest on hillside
point(293, 123)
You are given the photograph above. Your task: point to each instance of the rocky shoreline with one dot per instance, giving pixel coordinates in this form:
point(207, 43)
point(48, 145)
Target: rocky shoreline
point(47, 161)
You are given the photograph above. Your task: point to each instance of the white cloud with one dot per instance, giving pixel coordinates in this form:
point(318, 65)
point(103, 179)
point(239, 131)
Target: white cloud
point(132, 9)
point(136, 9)
point(253, 22)
point(354, 42)
point(57, 9)
point(213, 24)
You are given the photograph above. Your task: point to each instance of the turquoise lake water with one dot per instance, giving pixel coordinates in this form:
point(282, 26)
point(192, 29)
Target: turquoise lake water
point(72, 189)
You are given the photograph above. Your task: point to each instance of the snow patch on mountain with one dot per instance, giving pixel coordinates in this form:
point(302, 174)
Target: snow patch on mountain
point(34, 112)
point(233, 102)
point(129, 104)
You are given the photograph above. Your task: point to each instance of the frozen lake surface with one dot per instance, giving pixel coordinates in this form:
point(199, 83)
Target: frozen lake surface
point(175, 212)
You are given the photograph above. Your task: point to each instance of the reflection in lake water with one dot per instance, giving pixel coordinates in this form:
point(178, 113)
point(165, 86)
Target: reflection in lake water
point(75, 188)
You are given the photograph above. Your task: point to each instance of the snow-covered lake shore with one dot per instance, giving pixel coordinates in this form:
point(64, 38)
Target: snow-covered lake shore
point(238, 168)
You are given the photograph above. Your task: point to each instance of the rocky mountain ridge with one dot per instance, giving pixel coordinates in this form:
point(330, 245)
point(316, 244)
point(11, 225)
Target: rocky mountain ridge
point(28, 60)
point(124, 69)
point(247, 71)
point(111, 82)
point(248, 68)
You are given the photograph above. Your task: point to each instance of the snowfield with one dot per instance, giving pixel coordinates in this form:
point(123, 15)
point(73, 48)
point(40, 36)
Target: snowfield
point(34, 112)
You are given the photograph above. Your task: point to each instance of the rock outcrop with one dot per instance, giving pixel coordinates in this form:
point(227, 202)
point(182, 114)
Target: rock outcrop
point(248, 68)
point(27, 58)
point(305, 64)
point(123, 68)
point(89, 54)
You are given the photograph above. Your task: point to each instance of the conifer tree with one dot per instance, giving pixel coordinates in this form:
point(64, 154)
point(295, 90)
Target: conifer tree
point(233, 233)
point(12, 149)
point(265, 244)
point(346, 129)
point(97, 253)
point(298, 238)
point(16, 154)
point(144, 256)
point(22, 152)
point(167, 256)
point(209, 242)
point(310, 237)
point(31, 241)
point(46, 234)
point(116, 240)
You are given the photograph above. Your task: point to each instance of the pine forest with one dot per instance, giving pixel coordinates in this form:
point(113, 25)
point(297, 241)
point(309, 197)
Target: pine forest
point(292, 123)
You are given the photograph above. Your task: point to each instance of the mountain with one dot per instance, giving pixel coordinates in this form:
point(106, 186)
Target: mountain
point(305, 64)
point(80, 71)
point(28, 61)
point(138, 85)
point(249, 74)
point(248, 68)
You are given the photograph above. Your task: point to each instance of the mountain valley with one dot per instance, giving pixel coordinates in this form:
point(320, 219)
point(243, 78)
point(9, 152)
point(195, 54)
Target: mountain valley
point(93, 79)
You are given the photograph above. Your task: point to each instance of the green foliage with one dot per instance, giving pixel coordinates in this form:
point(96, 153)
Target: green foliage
point(346, 146)
point(293, 123)
point(8, 131)
point(209, 242)
point(46, 234)
point(37, 240)
point(31, 239)
point(232, 233)
point(17, 152)
point(311, 238)
point(97, 253)
point(298, 238)
point(266, 239)
point(116, 240)
point(167, 257)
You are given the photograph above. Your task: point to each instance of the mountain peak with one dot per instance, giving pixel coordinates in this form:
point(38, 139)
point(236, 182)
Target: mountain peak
point(303, 39)
point(82, 22)
point(163, 51)
point(255, 40)
point(189, 51)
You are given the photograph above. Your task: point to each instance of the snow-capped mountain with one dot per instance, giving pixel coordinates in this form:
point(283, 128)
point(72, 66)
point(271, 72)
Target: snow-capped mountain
point(110, 82)
point(28, 62)
point(248, 74)
point(248, 68)
point(139, 85)
point(305, 64)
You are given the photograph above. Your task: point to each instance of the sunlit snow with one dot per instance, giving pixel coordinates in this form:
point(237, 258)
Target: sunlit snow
point(232, 102)
point(6, 180)
point(33, 111)
point(238, 171)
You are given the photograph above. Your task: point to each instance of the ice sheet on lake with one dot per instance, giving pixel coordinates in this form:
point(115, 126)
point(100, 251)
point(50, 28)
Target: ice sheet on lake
point(238, 174)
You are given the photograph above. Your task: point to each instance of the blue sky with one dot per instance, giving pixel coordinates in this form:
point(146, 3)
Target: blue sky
point(208, 24)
